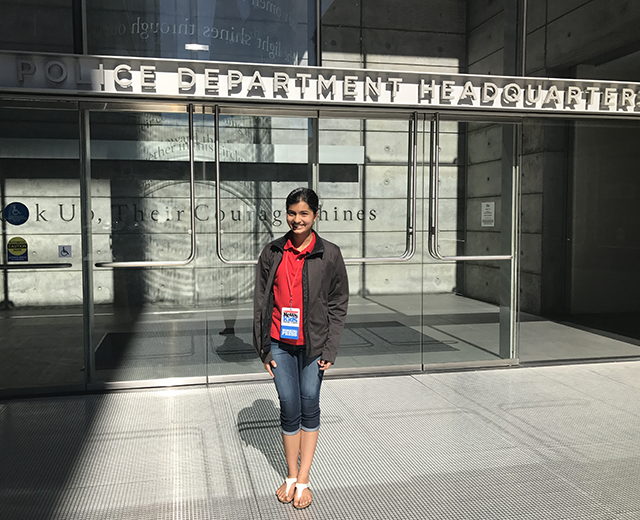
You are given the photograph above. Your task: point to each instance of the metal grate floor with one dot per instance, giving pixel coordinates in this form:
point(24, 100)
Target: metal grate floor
point(536, 443)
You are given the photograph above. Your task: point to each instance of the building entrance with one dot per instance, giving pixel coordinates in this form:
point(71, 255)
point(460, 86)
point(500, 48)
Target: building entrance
point(182, 198)
point(131, 232)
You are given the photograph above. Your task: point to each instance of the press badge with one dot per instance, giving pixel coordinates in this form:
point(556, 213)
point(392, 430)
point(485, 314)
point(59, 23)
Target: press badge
point(289, 323)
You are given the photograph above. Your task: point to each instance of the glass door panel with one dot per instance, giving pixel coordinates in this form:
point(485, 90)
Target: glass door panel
point(262, 158)
point(367, 179)
point(41, 308)
point(468, 279)
point(147, 324)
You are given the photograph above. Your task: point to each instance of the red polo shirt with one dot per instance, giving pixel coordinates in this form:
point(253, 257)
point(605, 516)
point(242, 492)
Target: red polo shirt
point(287, 288)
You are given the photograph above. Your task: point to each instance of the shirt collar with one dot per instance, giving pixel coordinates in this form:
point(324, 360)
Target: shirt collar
point(289, 246)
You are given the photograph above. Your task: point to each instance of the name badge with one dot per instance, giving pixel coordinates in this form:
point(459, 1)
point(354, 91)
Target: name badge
point(289, 323)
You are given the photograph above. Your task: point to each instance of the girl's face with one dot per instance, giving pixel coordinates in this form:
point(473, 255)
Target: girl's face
point(300, 218)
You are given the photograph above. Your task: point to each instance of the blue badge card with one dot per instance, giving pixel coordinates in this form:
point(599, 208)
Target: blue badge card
point(289, 323)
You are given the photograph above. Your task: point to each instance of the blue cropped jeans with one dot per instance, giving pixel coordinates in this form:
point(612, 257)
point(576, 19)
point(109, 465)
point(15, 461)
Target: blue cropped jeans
point(298, 379)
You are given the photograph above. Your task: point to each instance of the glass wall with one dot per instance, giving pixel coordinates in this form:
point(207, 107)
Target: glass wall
point(172, 274)
point(579, 240)
point(171, 277)
point(41, 316)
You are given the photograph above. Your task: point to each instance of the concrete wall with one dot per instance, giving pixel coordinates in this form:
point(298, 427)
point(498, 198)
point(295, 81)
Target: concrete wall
point(404, 34)
point(543, 247)
point(486, 30)
point(486, 25)
point(572, 38)
point(562, 35)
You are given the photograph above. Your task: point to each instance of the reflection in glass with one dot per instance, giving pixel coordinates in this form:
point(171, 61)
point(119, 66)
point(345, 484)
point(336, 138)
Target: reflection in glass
point(255, 31)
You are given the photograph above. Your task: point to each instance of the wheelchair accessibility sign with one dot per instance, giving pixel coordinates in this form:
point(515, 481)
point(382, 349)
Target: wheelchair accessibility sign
point(16, 213)
point(64, 251)
point(17, 250)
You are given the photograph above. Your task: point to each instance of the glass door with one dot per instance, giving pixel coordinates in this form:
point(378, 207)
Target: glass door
point(263, 155)
point(372, 172)
point(470, 218)
point(368, 180)
point(147, 326)
point(368, 207)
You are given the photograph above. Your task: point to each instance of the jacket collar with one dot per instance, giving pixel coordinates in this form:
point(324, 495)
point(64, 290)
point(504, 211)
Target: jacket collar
point(318, 248)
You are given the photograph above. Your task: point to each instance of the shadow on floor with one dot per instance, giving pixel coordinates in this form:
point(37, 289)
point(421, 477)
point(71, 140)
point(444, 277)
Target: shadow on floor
point(259, 426)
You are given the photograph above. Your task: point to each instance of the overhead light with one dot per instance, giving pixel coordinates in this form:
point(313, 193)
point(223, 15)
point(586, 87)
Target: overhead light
point(196, 47)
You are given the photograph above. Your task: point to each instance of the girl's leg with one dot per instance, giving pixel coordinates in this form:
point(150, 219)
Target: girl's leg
point(292, 453)
point(308, 442)
point(286, 379)
point(310, 377)
point(310, 382)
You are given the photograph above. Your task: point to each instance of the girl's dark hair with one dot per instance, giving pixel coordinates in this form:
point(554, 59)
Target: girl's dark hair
point(305, 195)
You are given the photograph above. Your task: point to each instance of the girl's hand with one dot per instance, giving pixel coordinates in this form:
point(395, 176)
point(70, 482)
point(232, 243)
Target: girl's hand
point(324, 364)
point(267, 367)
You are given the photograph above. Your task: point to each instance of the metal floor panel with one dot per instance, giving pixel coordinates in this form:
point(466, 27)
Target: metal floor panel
point(556, 443)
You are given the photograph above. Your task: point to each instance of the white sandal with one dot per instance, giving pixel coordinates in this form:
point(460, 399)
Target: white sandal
point(290, 482)
point(299, 489)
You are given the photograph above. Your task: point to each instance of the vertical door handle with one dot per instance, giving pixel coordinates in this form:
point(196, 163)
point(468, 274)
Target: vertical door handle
point(434, 200)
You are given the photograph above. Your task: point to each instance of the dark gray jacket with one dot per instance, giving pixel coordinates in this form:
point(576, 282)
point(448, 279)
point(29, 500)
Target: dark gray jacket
point(325, 295)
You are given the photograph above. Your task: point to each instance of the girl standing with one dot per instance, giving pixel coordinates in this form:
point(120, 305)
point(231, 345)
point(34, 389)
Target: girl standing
point(300, 307)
